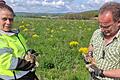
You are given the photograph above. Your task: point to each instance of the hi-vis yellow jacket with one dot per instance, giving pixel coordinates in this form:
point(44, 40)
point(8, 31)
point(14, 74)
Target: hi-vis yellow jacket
point(12, 51)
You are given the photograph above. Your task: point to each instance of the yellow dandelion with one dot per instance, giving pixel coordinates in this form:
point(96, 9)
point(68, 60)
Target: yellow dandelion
point(35, 36)
point(22, 26)
point(52, 31)
point(64, 30)
point(80, 27)
point(27, 24)
point(84, 50)
point(73, 43)
point(22, 22)
point(51, 35)
point(25, 30)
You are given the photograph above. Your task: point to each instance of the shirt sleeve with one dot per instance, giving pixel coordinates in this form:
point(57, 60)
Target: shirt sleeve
point(95, 35)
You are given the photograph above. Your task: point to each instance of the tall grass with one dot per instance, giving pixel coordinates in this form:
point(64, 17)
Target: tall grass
point(58, 60)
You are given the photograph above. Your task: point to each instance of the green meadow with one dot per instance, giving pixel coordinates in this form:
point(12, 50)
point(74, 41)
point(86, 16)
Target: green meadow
point(58, 42)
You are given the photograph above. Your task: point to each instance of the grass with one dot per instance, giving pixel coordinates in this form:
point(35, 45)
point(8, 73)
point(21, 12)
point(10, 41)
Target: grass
point(58, 60)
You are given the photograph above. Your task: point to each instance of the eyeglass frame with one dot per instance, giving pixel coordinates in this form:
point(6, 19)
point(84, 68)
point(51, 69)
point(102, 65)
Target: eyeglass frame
point(107, 27)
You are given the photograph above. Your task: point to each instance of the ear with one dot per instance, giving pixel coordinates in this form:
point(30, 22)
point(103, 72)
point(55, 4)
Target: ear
point(119, 23)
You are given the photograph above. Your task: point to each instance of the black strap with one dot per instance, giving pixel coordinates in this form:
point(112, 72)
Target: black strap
point(14, 75)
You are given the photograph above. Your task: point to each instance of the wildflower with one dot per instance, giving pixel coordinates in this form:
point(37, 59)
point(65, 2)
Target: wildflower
point(35, 36)
point(22, 22)
point(27, 24)
point(22, 26)
point(84, 50)
point(64, 30)
point(80, 27)
point(51, 35)
point(73, 43)
point(52, 31)
point(25, 30)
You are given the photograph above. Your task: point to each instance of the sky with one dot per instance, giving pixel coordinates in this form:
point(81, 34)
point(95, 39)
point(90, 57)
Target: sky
point(56, 6)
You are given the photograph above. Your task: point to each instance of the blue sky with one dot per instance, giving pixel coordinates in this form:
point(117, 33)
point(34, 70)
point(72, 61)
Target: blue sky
point(55, 6)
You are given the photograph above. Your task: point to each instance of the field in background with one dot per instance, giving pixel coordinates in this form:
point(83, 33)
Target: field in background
point(58, 43)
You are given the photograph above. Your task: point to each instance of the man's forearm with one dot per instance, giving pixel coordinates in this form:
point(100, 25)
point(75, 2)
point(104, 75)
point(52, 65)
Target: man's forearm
point(112, 73)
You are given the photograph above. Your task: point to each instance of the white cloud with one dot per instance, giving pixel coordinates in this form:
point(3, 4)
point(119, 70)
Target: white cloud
point(107, 0)
point(56, 5)
point(12, 1)
point(53, 3)
point(97, 1)
point(83, 6)
point(33, 2)
point(94, 1)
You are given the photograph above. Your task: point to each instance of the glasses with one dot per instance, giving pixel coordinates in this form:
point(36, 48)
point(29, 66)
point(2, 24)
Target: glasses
point(5, 19)
point(108, 26)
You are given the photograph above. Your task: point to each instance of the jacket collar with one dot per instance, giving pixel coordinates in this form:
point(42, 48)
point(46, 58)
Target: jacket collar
point(9, 33)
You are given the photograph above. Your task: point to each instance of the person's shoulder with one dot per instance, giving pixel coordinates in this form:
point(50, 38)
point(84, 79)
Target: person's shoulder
point(97, 32)
point(15, 31)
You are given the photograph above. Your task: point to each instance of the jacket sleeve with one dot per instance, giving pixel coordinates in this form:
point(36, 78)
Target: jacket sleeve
point(9, 61)
point(24, 65)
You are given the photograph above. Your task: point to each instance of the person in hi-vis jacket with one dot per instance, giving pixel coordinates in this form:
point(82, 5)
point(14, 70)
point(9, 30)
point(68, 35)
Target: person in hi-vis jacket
point(15, 63)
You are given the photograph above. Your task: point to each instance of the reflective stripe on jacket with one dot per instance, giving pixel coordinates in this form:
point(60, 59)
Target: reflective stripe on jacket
point(11, 49)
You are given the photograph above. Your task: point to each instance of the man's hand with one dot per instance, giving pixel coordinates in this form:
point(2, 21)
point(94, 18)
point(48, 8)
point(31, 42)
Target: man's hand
point(94, 70)
point(88, 58)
